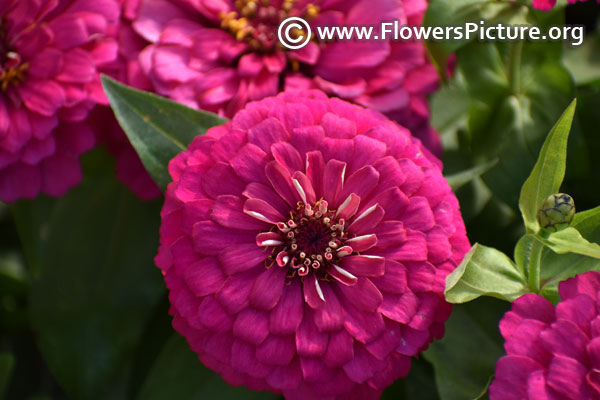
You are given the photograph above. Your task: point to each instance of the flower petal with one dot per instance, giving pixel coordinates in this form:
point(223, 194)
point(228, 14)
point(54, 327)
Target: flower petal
point(267, 288)
point(251, 326)
point(313, 294)
point(364, 295)
point(309, 341)
point(229, 211)
point(370, 266)
point(333, 180)
point(285, 318)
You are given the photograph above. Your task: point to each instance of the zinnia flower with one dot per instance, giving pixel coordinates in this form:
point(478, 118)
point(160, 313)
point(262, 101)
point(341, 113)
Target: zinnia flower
point(546, 5)
point(218, 55)
point(552, 352)
point(49, 54)
point(125, 68)
point(306, 245)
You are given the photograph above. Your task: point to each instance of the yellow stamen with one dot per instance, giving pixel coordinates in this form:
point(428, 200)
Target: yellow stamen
point(287, 5)
point(249, 10)
point(312, 11)
point(13, 76)
point(240, 28)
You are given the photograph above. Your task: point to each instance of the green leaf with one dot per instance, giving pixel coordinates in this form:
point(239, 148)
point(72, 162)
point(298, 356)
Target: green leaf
point(458, 13)
point(485, 271)
point(459, 179)
point(549, 170)
point(569, 240)
point(7, 364)
point(464, 360)
point(418, 384)
point(157, 128)
point(559, 267)
point(178, 374)
point(523, 253)
point(584, 61)
point(449, 108)
point(484, 395)
point(96, 283)
point(517, 91)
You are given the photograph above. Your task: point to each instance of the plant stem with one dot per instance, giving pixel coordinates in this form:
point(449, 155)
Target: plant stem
point(514, 67)
point(535, 257)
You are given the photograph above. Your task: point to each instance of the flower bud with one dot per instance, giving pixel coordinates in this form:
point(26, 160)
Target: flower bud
point(557, 211)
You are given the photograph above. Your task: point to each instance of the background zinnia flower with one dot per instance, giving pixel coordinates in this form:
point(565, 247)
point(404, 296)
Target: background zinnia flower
point(306, 245)
point(49, 55)
point(552, 352)
point(125, 68)
point(546, 5)
point(217, 56)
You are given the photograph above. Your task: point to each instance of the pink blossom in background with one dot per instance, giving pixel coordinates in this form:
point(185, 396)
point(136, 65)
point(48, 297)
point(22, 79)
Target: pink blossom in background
point(552, 352)
point(125, 68)
point(49, 55)
point(207, 55)
point(546, 5)
point(306, 244)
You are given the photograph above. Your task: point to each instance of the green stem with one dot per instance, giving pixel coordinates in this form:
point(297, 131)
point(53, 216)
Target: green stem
point(535, 257)
point(514, 66)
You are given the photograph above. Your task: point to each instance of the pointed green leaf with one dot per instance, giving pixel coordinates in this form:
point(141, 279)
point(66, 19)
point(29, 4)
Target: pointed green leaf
point(95, 282)
point(548, 172)
point(157, 128)
point(485, 271)
point(569, 240)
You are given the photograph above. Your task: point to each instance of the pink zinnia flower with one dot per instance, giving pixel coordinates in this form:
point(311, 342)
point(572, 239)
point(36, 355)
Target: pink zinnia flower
point(306, 245)
point(218, 55)
point(49, 54)
point(552, 352)
point(546, 5)
point(125, 68)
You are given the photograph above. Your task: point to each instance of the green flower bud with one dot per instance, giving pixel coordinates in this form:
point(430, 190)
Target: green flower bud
point(557, 211)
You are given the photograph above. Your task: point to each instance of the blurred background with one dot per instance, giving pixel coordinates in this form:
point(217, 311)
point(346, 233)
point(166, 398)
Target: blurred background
point(85, 316)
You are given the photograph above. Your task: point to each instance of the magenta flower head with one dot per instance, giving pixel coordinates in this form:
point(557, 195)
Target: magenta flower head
point(218, 55)
point(306, 245)
point(552, 352)
point(546, 5)
point(49, 54)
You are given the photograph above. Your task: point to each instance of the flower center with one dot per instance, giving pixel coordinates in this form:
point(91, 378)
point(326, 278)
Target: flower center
point(313, 239)
point(256, 21)
point(12, 68)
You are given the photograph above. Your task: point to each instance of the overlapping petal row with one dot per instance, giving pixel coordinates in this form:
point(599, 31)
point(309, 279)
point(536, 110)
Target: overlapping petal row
point(552, 352)
point(305, 245)
point(50, 52)
point(219, 55)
